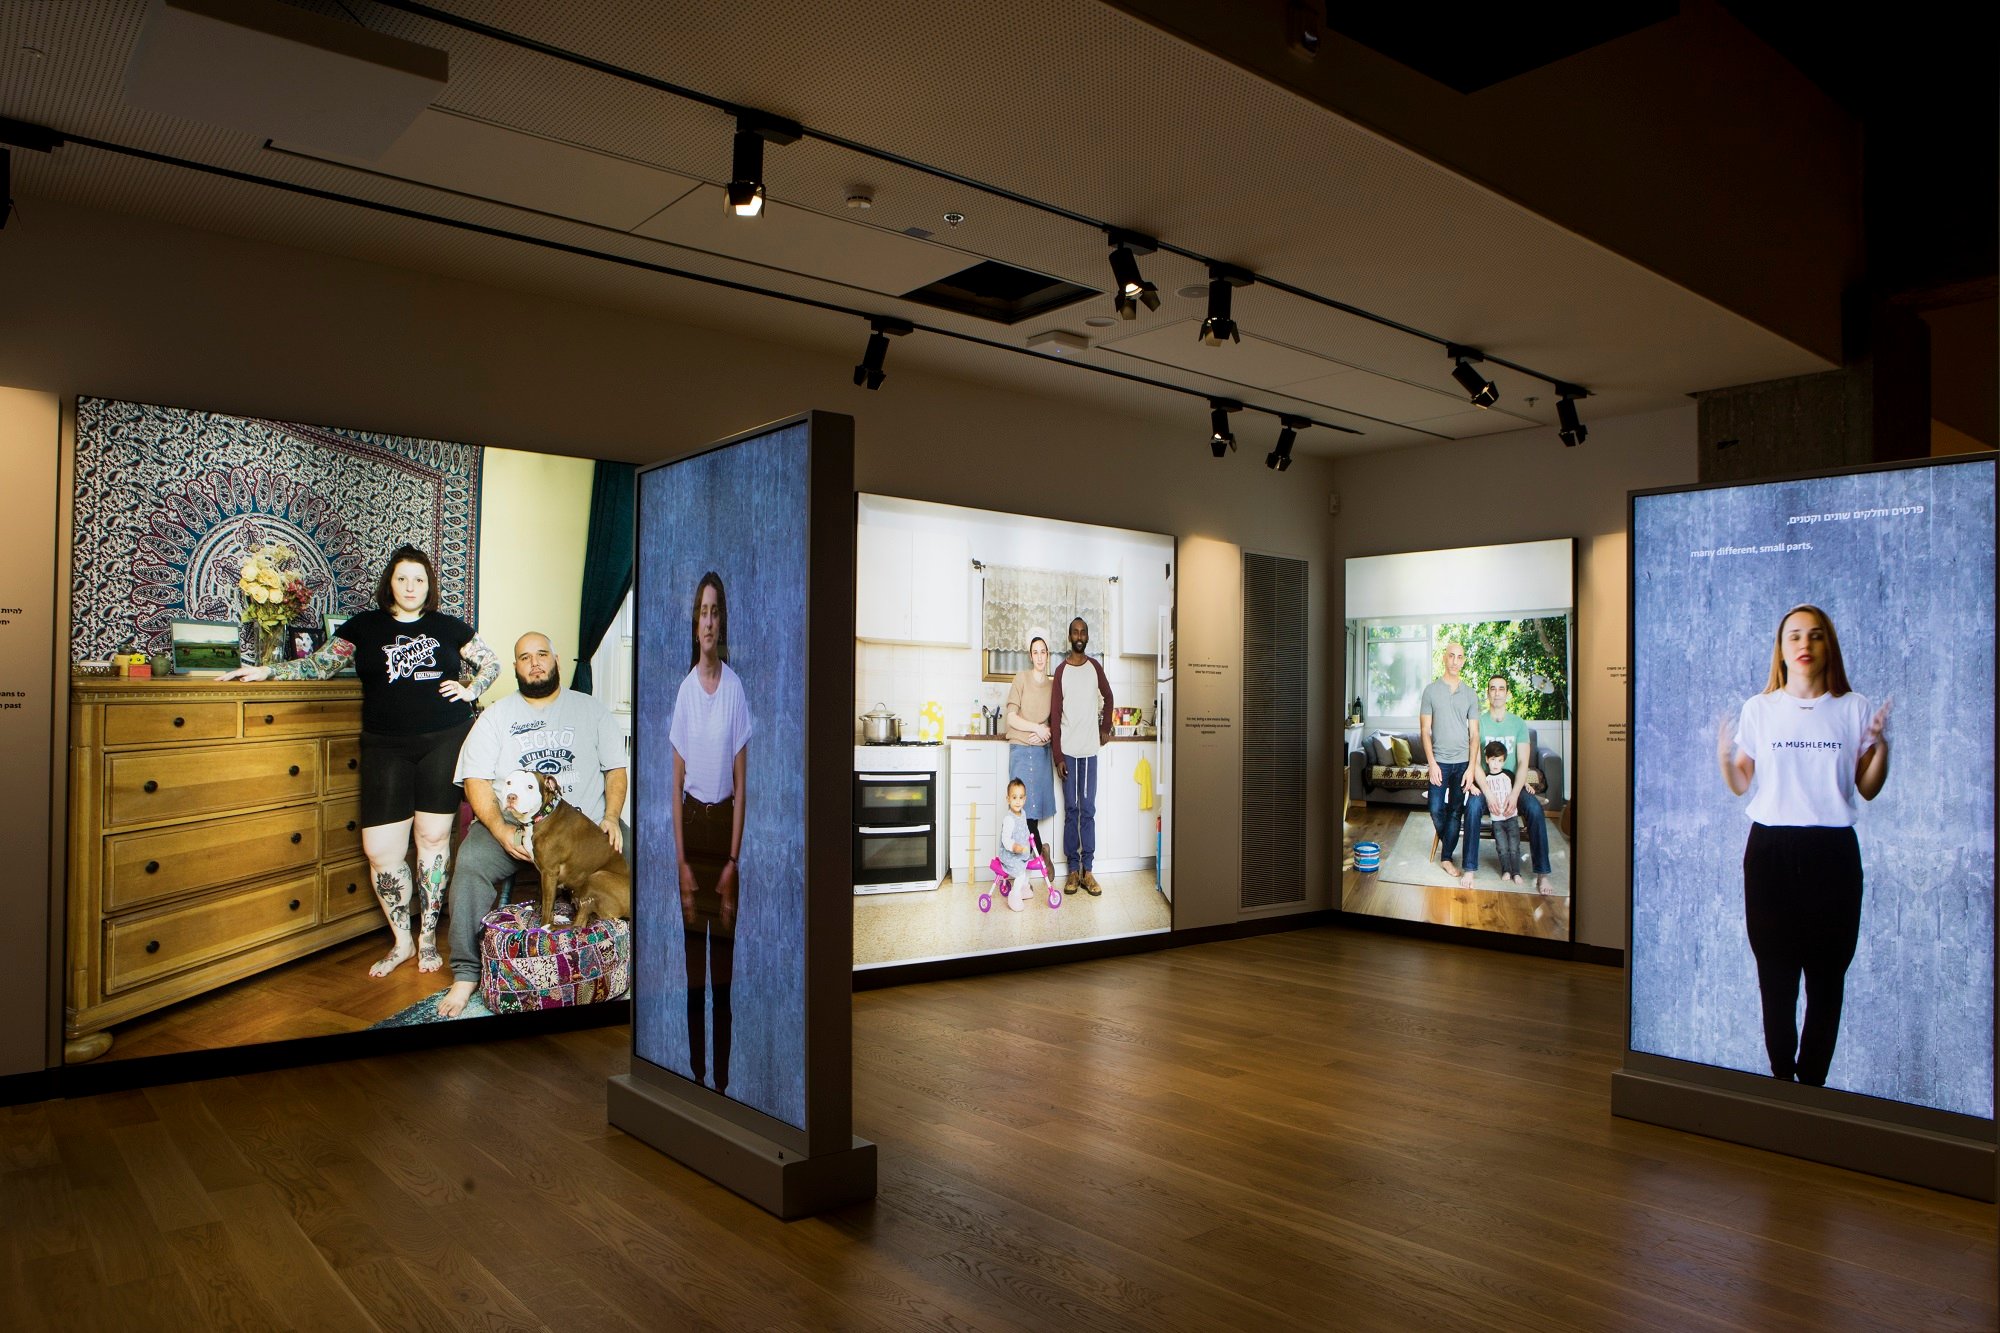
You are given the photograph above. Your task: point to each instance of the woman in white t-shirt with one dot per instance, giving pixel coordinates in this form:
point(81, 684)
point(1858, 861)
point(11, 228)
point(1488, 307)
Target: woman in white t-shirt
point(1811, 743)
point(710, 735)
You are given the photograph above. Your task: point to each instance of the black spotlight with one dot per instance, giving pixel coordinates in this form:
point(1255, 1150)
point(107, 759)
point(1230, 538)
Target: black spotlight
point(1219, 327)
point(1130, 290)
point(1573, 432)
point(869, 374)
point(744, 195)
point(1280, 458)
point(1221, 440)
point(1477, 385)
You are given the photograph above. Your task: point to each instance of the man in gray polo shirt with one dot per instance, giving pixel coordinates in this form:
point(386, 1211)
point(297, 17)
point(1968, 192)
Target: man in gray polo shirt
point(1449, 720)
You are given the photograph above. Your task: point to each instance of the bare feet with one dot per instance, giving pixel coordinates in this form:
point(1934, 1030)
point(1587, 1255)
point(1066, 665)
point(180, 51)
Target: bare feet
point(428, 957)
point(1465, 881)
point(453, 1002)
point(1541, 884)
point(1446, 865)
point(397, 957)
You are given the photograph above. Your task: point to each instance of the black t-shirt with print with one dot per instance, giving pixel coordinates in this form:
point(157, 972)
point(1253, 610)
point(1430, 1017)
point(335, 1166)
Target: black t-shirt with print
point(401, 663)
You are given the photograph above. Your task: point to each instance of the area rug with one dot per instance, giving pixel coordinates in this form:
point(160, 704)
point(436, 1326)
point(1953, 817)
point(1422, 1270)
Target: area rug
point(167, 501)
point(1408, 861)
point(426, 1011)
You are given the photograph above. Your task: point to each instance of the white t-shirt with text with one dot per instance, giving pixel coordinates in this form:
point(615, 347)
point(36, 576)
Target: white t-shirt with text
point(1806, 751)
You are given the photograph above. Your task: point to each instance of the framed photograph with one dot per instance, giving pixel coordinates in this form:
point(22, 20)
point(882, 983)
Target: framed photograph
point(206, 647)
point(304, 640)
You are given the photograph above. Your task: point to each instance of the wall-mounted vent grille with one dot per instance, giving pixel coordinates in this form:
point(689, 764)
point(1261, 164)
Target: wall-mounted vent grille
point(1274, 731)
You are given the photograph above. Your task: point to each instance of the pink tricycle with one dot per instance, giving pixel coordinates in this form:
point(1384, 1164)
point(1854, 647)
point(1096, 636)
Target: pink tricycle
point(1003, 884)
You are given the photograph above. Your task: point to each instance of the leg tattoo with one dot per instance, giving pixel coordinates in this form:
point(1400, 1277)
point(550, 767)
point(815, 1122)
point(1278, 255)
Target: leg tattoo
point(428, 958)
point(393, 887)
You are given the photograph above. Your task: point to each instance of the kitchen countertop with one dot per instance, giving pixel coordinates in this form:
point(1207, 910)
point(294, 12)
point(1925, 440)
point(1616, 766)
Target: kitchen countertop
point(1113, 741)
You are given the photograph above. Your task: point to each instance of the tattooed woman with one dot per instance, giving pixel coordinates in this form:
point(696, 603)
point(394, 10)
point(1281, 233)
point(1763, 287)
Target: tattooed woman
point(420, 671)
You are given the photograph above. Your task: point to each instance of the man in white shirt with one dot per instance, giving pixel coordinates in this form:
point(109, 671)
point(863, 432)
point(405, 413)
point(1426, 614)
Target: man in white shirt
point(546, 729)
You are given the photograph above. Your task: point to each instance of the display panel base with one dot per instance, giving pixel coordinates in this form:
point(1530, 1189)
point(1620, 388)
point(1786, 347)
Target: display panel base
point(1916, 1156)
point(776, 1179)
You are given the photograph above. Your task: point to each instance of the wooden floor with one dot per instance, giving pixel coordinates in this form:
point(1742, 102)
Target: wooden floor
point(1321, 1129)
point(1530, 914)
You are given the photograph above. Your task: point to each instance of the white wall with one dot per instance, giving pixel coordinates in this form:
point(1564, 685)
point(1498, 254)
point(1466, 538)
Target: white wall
point(1562, 492)
point(103, 304)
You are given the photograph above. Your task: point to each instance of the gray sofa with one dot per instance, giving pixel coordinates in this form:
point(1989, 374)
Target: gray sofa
point(1371, 778)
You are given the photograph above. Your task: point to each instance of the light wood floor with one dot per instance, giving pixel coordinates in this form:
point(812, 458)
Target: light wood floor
point(1527, 914)
point(1315, 1130)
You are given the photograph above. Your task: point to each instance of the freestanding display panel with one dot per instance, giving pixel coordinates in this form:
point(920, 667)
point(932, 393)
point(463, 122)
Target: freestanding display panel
point(1812, 814)
point(744, 612)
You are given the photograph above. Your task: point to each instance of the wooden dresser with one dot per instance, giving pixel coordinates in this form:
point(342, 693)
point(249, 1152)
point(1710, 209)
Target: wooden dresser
point(214, 831)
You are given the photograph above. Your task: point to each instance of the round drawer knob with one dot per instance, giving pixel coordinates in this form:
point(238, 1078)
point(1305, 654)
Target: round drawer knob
point(353, 764)
point(151, 786)
point(351, 888)
point(298, 838)
point(295, 904)
point(350, 825)
point(295, 770)
point(152, 867)
point(180, 722)
point(152, 946)
point(269, 719)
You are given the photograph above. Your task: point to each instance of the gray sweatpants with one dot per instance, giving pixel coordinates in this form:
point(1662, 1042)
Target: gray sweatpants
point(481, 876)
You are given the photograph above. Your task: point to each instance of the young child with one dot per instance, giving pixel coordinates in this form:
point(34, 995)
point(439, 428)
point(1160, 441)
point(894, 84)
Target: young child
point(1504, 805)
point(1017, 844)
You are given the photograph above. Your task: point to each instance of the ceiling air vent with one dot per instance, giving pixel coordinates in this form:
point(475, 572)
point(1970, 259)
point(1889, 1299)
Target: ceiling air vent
point(999, 292)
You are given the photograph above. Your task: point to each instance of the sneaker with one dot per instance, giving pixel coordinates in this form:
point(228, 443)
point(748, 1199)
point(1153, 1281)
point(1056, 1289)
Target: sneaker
point(1069, 885)
point(1090, 885)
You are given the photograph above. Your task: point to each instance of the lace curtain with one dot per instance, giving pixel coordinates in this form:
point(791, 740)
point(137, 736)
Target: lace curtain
point(1019, 601)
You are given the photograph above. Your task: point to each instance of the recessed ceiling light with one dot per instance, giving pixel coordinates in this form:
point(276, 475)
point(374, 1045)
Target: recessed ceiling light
point(1192, 291)
point(1100, 321)
point(33, 52)
point(953, 219)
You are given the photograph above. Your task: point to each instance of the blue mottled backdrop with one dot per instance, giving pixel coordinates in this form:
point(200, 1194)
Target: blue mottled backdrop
point(739, 511)
point(1911, 594)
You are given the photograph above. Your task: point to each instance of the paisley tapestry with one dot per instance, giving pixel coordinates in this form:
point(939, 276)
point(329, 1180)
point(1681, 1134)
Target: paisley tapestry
point(167, 501)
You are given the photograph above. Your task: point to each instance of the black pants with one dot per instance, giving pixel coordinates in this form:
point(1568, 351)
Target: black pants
point(1802, 904)
point(708, 937)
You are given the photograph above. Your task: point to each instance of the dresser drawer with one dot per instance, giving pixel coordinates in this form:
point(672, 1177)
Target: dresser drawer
point(340, 827)
point(301, 717)
point(343, 764)
point(144, 724)
point(136, 952)
point(166, 784)
point(344, 890)
point(142, 867)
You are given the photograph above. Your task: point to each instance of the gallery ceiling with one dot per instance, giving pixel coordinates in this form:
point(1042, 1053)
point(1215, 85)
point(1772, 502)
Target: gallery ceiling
point(1067, 102)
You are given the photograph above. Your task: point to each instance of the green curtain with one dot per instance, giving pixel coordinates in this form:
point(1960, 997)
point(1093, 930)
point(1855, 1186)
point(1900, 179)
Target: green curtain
point(607, 560)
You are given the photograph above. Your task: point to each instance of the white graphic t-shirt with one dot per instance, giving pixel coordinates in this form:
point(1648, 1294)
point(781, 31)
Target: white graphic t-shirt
point(1806, 751)
point(573, 736)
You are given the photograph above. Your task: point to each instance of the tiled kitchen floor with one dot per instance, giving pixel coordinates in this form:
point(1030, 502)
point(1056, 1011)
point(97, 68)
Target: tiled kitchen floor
point(908, 927)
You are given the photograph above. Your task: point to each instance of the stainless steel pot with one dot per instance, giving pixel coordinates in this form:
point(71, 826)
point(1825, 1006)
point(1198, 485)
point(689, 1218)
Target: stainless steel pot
point(879, 726)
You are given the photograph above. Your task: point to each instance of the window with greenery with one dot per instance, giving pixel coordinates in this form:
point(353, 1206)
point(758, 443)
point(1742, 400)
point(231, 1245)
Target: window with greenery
point(1399, 658)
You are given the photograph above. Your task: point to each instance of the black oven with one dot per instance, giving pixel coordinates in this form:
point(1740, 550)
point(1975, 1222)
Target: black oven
point(895, 830)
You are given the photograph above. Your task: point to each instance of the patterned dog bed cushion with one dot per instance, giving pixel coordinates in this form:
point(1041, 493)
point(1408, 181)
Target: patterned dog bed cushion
point(522, 966)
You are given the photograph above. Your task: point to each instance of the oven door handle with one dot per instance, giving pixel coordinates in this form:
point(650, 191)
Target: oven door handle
point(924, 776)
point(906, 828)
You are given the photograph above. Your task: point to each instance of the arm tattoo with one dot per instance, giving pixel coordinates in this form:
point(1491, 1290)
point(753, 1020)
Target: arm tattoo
point(325, 664)
point(484, 662)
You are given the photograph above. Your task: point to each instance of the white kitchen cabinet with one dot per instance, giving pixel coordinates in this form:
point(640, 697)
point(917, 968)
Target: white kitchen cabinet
point(912, 586)
point(882, 584)
point(978, 779)
point(1142, 591)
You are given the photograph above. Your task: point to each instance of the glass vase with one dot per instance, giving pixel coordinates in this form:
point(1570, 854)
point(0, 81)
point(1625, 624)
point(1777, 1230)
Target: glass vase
point(270, 644)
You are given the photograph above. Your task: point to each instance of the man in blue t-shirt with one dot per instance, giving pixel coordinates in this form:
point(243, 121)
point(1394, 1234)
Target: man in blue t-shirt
point(1497, 724)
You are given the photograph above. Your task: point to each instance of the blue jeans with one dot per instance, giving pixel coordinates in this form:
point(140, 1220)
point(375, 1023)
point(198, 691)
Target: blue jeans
point(1538, 831)
point(1080, 813)
point(1448, 805)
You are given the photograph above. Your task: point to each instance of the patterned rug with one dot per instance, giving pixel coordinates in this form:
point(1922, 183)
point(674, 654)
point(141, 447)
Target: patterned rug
point(426, 1011)
point(168, 500)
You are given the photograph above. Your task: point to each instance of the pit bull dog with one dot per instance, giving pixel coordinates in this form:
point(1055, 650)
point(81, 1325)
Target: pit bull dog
point(572, 854)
